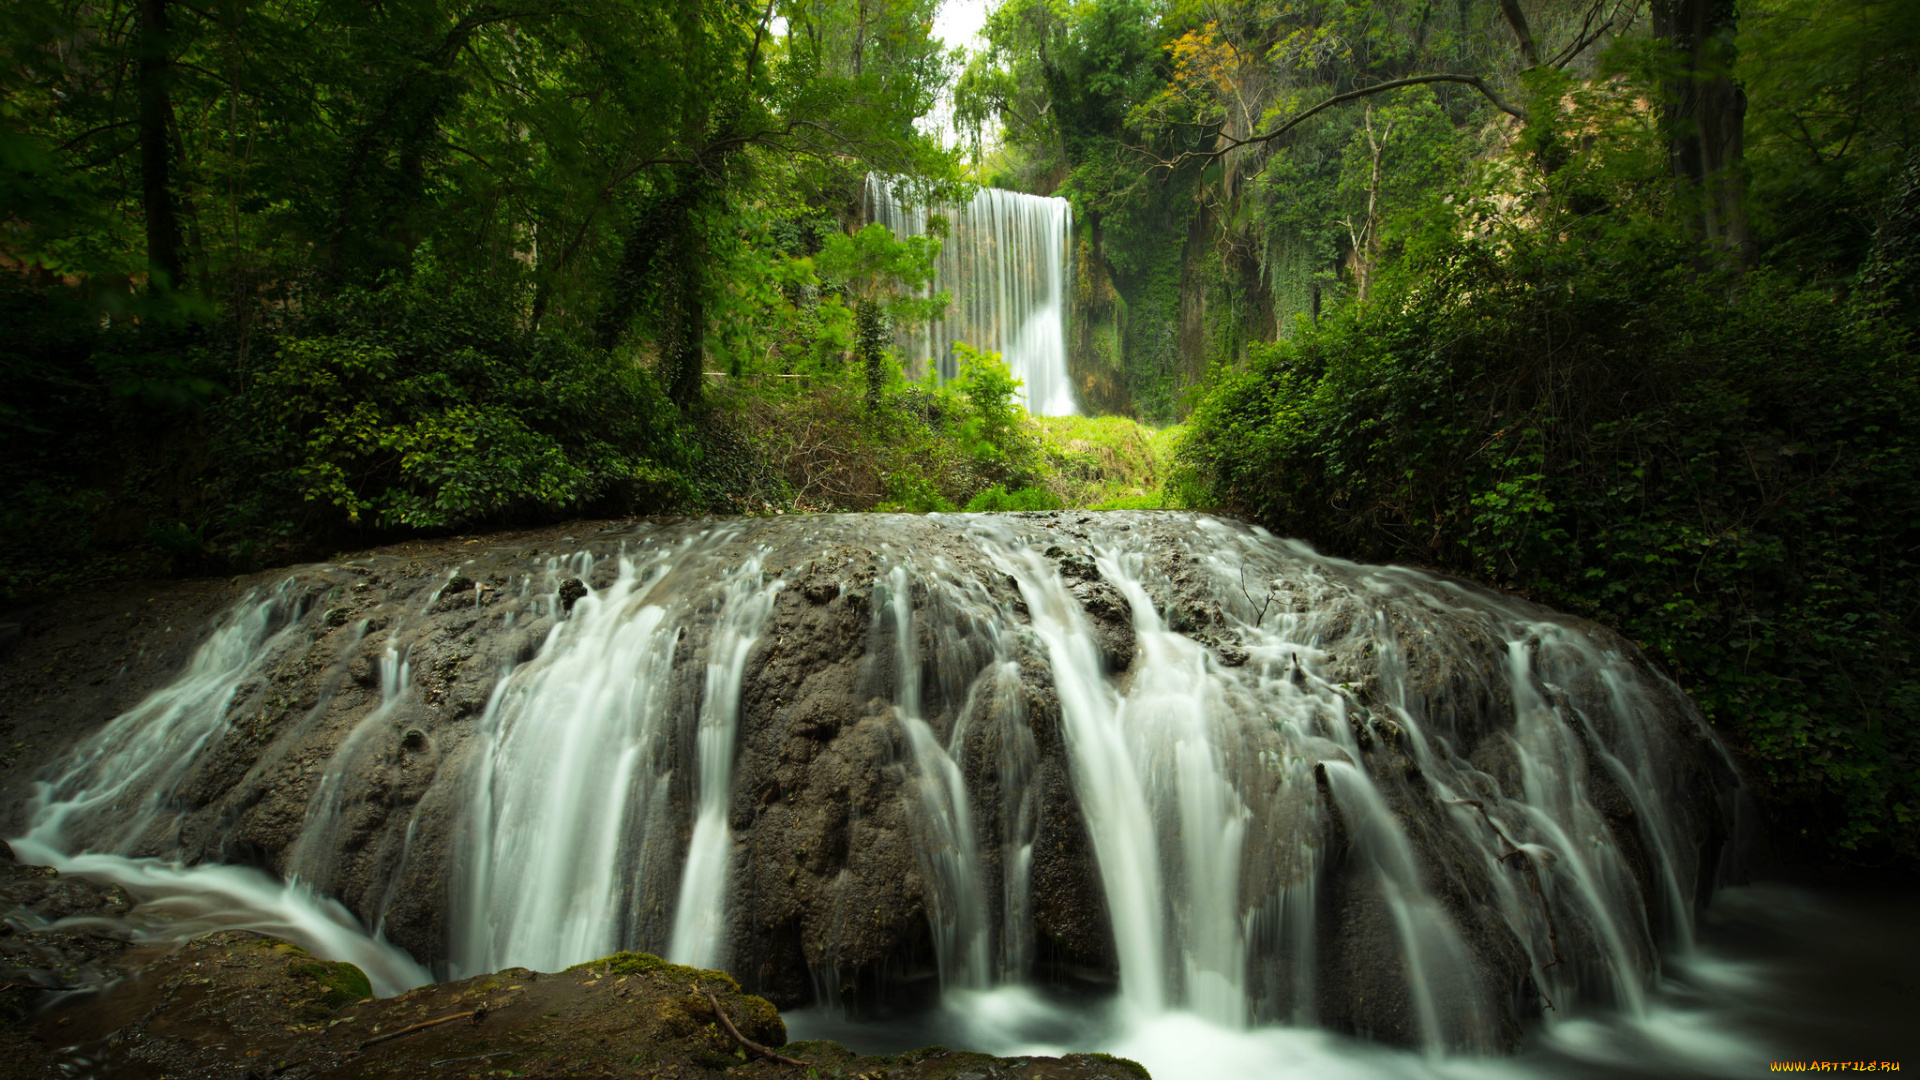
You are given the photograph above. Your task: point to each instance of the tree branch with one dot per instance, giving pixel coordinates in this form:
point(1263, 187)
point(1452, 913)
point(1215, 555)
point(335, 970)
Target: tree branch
point(1589, 33)
point(1533, 879)
point(1340, 99)
point(747, 1044)
point(476, 1015)
point(1518, 20)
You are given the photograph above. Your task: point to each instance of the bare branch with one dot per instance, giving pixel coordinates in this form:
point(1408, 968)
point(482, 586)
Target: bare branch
point(1589, 33)
point(1340, 99)
point(1261, 617)
point(747, 1044)
point(1531, 866)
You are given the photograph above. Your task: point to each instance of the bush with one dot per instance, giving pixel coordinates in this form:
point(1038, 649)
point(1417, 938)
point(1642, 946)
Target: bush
point(423, 404)
point(157, 444)
point(991, 425)
point(1725, 468)
point(911, 493)
point(999, 498)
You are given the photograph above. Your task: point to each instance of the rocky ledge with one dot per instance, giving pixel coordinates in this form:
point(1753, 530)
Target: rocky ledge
point(79, 999)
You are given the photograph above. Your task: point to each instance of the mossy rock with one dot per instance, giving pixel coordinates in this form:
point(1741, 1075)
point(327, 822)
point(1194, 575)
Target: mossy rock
point(756, 1017)
point(639, 963)
point(1127, 1064)
point(337, 982)
point(758, 1020)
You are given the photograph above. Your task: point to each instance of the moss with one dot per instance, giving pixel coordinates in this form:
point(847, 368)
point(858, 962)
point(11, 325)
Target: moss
point(1092, 462)
point(758, 1020)
point(638, 963)
point(1128, 1064)
point(338, 982)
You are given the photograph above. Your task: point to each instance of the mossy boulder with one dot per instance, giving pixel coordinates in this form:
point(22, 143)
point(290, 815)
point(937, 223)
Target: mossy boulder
point(335, 982)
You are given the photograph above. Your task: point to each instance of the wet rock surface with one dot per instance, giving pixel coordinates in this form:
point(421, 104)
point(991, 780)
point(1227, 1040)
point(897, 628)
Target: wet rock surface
point(236, 1004)
point(829, 893)
point(57, 931)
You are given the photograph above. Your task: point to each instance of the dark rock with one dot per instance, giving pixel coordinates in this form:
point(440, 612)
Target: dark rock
point(826, 875)
point(235, 1004)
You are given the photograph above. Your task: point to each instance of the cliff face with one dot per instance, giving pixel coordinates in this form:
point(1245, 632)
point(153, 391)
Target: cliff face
point(1152, 751)
point(1157, 305)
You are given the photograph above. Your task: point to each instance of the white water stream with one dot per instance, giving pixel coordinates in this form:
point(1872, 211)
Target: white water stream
point(1004, 263)
point(699, 923)
point(1223, 778)
point(121, 784)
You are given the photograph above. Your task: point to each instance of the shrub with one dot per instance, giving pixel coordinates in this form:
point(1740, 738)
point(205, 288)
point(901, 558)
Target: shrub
point(911, 493)
point(991, 429)
point(423, 404)
point(1026, 498)
point(1725, 468)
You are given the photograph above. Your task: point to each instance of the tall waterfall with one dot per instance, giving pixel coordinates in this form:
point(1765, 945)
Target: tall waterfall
point(1005, 264)
point(1304, 791)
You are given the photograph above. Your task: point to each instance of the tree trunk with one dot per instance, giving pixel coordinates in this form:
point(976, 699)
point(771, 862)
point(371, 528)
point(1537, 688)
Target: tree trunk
point(1705, 117)
point(870, 328)
point(1529, 50)
point(405, 127)
point(687, 358)
point(156, 158)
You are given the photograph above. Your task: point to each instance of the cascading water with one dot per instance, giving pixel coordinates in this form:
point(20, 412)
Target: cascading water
point(1004, 264)
point(569, 851)
point(313, 855)
point(948, 845)
point(1245, 783)
point(118, 796)
point(700, 918)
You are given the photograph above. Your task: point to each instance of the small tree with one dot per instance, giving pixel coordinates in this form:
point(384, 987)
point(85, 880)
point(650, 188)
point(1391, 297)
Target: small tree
point(994, 430)
point(883, 276)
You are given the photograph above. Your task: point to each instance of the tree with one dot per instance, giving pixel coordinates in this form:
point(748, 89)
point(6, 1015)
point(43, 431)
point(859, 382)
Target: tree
point(884, 276)
point(1705, 112)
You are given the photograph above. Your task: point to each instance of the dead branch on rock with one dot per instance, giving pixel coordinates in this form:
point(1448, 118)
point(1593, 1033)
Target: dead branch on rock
point(477, 1015)
point(1533, 879)
point(747, 1044)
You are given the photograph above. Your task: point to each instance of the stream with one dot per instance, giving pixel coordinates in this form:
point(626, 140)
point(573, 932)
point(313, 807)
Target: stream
point(1780, 973)
point(1154, 784)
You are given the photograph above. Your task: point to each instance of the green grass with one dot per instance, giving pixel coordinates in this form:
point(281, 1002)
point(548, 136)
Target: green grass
point(1107, 462)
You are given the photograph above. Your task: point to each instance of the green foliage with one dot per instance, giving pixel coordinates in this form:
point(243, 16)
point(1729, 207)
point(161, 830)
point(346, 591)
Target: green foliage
point(422, 404)
point(884, 276)
point(998, 498)
point(991, 430)
point(910, 492)
point(1834, 120)
point(1107, 462)
point(439, 261)
point(1578, 405)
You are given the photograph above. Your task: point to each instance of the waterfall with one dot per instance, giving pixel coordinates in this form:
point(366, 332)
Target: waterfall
point(118, 794)
point(1106, 775)
point(1301, 790)
point(947, 846)
point(700, 917)
point(1005, 264)
point(120, 783)
point(570, 847)
point(313, 855)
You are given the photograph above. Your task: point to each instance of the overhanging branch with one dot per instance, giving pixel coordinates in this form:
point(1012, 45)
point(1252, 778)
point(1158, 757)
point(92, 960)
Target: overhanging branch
point(1340, 99)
